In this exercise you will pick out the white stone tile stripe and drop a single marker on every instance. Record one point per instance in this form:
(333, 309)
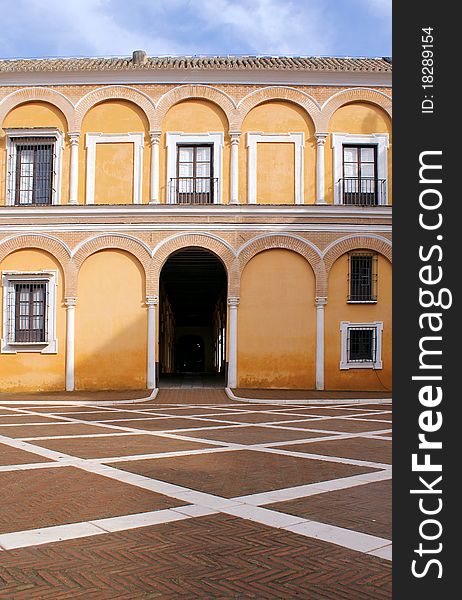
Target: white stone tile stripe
(201, 501)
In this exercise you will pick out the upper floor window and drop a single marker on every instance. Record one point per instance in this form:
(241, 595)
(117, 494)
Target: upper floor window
(360, 184)
(194, 167)
(360, 168)
(194, 182)
(362, 277)
(34, 166)
(29, 311)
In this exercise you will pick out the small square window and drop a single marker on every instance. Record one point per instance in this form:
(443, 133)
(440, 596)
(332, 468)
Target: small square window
(29, 312)
(361, 345)
(362, 277)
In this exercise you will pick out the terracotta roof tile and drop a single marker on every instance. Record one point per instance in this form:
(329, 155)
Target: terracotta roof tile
(298, 63)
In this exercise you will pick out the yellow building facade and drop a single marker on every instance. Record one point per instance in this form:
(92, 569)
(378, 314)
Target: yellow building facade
(162, 217)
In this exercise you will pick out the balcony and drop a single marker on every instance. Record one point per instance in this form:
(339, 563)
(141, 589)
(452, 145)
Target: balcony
(362, 191)
(192, 190)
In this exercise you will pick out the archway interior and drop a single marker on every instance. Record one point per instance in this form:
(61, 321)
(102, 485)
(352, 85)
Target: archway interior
(192, 327)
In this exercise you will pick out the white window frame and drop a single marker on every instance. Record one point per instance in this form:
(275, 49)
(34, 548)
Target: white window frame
(11, 152)
(255, 137)
(381, 140)
(344, 327)
(215, 138)
(9, 278)
(137, 139)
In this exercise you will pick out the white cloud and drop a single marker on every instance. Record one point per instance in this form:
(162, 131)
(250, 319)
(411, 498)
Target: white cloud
(270, 26)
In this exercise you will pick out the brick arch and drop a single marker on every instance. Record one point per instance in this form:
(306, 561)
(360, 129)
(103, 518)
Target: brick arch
(187, 240)
(288, 94)
(189, 92)
(360, 242)
(282, 242)
(57, 249)
(114, 92)
(353, 95)
(107, 242)
(38, 94)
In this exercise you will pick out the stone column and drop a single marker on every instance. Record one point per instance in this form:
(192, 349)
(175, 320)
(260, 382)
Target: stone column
(70, 303)
(320, 192)
(74, 167)
(234, 191)
(155, 139)
(151, 303)
(232, 342)
(320, 304)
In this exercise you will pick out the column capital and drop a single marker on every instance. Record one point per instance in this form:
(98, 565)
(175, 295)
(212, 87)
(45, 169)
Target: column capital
(321, 138)
(321, 301)
(233, 301)
(235, 136)
(74, 137)
(154, 136)
(152, 300)
(70, 301)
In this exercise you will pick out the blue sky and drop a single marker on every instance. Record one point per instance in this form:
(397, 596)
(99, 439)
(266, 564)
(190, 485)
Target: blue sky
(34, 28)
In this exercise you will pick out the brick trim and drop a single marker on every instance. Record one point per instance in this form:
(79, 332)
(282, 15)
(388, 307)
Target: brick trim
(339, 247)
(48, 244)
(37, 94)
(186, 240)
(190, 92)
(114, 92)
(107, 242)
(288, 94)
(353, 95)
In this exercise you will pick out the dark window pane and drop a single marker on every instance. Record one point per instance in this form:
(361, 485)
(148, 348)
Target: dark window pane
(30, 312)
(363, 278)
(361, 345)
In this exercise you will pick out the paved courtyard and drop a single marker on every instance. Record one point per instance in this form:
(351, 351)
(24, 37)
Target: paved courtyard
(192, 495)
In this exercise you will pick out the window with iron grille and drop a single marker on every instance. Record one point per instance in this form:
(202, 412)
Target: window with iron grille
(361, 345)
(362, 277)
(29, 312)
(34, 165)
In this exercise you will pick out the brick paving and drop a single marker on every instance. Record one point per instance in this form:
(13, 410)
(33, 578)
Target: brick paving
(220, 518)
(366, 508)
(208, 557)
(357, 448)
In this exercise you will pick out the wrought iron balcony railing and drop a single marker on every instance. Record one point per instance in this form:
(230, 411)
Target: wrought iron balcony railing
(192, 190)
(362, 191)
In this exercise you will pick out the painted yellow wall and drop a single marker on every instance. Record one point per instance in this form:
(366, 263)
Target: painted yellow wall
(276, 322)
(195, 116)
(115, 116)
(275, 182)
(360, 118)
(36, 114)
(32, 371)
(278, 117)
(338, 310)
(111, 323)
(114, 168)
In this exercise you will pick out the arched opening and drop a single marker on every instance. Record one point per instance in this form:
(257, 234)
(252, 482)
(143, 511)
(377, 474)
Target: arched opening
(192, 320)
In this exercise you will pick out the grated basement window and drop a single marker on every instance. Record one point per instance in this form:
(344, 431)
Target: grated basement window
(27, 312)
(362, 277)
(33, 170)
(362, 344)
